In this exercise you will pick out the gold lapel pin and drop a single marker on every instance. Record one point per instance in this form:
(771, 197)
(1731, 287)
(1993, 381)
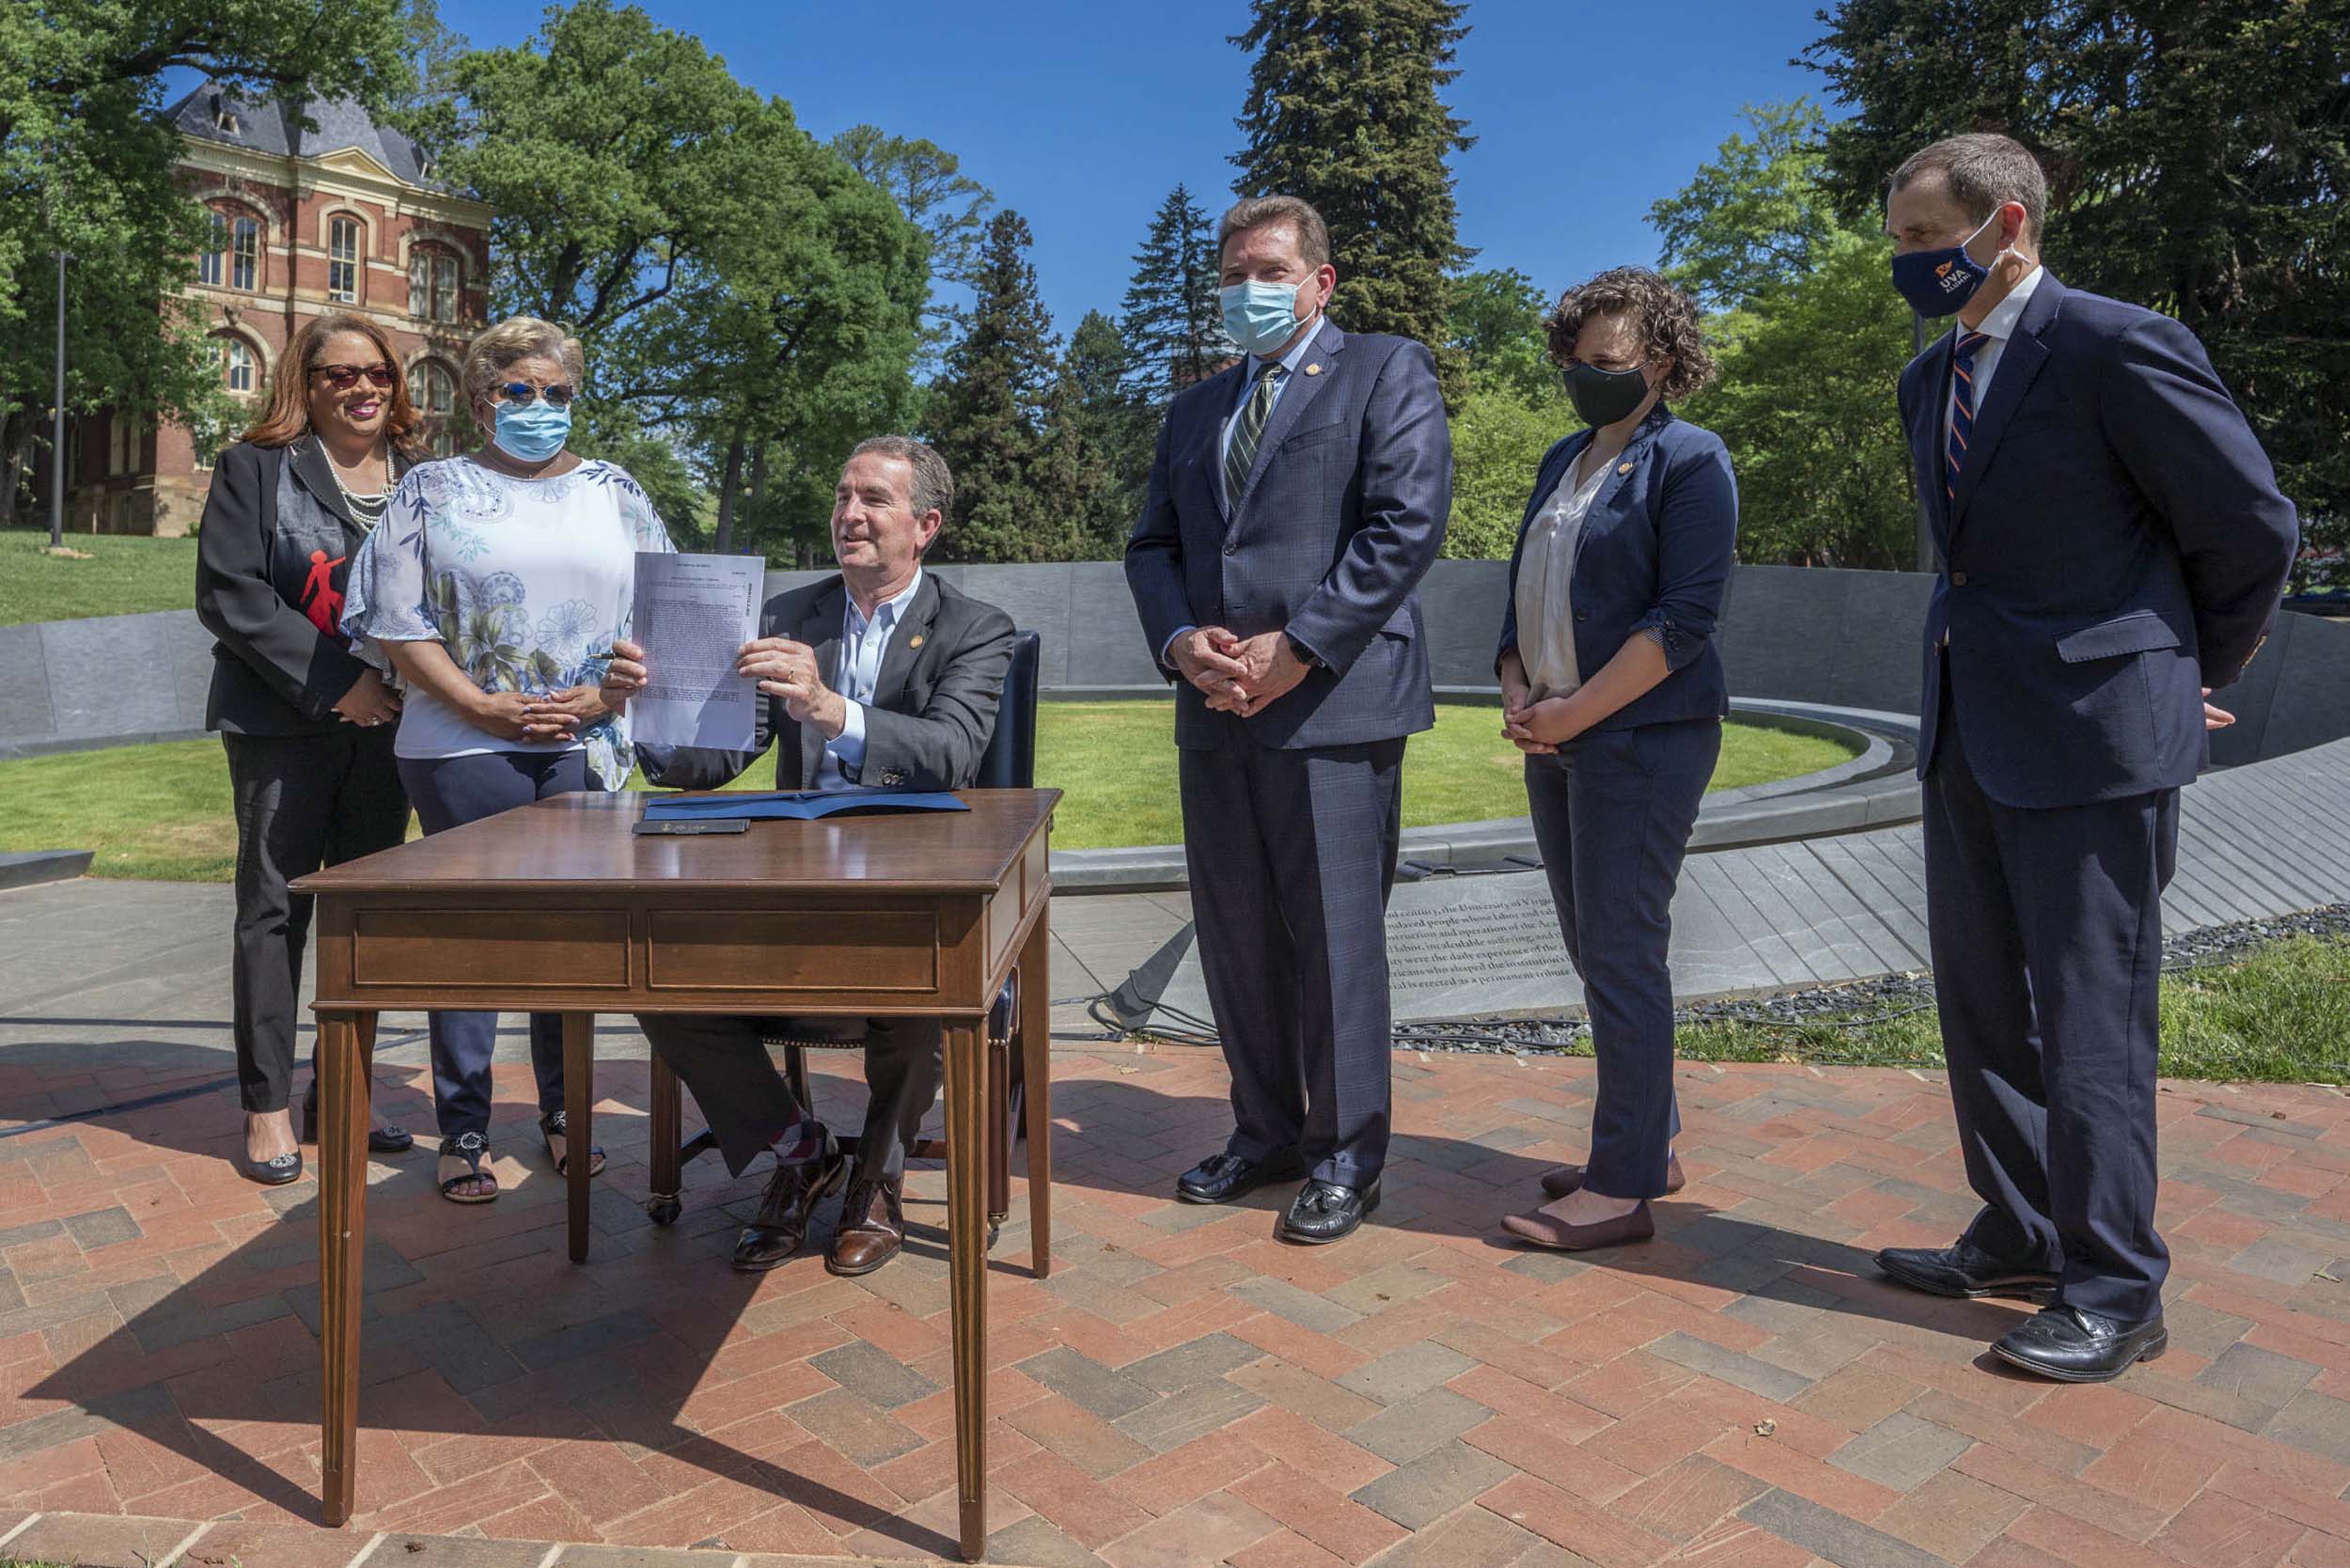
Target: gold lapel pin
(915, 641)
(1623, 468)
(1313, 369)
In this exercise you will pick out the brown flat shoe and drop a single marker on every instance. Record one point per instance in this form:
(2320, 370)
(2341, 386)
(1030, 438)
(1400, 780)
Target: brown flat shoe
(872, 1226)
(1543, 1231)
(1565, 1179)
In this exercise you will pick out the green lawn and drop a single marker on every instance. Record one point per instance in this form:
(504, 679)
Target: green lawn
(125, 575)
(162, 811)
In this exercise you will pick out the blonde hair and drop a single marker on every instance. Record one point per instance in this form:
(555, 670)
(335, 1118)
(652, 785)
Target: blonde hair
(518, 337)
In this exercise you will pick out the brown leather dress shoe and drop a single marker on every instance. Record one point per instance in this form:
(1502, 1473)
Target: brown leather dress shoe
(872, 1226)
(1563, 1180)
(1543, 1231)
(781, 1225)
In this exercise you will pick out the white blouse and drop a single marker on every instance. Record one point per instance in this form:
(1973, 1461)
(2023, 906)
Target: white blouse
(1545, 597)
(525, 582)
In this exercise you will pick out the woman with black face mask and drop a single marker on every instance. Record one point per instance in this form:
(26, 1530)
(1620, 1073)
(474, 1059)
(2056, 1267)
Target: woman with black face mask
(1612, 687)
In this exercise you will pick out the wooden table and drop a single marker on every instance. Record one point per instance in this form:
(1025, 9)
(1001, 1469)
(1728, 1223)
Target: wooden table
(558, 907)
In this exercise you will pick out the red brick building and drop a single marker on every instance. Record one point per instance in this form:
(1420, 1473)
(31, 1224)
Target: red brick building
(345, 217)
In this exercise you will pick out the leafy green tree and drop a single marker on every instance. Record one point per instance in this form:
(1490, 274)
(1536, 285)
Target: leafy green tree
(948, 206)
(87, 167)
(1810, 340)
(1099, 437)
(2198, 155)
(1498, 439)
(986, 415)
(1171, 323)
(1496, 328)
(1343, 110)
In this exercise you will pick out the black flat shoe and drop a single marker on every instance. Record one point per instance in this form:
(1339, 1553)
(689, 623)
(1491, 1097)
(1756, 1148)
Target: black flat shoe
(1963, 1269)
(1327, 1211)
(275, 1171)
(1225, 1177)
(2074, 1346)
(386, 1139)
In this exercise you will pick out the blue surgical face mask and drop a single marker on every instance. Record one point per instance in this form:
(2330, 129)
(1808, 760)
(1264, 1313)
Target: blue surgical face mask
(1940, 282)
(1260, 316)
(532, 431)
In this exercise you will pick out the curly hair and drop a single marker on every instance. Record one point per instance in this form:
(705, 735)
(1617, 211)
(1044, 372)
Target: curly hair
(1664, 318)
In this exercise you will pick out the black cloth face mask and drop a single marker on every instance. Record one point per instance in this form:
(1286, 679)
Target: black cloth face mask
(1604, 396)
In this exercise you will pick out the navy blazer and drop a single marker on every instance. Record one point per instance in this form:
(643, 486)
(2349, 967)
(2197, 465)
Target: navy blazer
(1654, 555)
(1343, 514)
(2115, 543)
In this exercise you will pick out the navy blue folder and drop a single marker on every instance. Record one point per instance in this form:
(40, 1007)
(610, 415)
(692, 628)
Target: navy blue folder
(796, 805)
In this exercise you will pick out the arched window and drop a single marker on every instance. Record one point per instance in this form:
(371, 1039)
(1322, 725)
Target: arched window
(342, 260)
(432, 285)
(236, 359)
(232, 252)
(436, 392)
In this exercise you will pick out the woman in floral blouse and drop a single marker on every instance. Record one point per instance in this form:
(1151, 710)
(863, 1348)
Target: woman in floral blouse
(494, 588)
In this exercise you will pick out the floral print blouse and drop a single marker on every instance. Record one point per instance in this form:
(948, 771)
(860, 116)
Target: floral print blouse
(525, 582)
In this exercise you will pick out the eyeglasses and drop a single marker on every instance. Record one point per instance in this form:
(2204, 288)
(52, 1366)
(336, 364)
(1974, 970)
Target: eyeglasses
(559, 394)
(343, 377)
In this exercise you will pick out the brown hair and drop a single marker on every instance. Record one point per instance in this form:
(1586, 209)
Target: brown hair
(1983, 171)
(1664, 319)
(1313, 235)
(286, 419)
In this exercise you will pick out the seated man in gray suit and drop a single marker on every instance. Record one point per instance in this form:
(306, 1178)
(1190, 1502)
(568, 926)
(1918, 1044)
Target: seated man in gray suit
(884, 675)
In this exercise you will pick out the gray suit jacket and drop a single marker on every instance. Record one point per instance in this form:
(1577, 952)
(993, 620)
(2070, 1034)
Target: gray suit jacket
(933, 709)
(1343, 514)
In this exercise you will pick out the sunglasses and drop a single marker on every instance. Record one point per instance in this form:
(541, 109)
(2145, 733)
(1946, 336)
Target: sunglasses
(557, 395)
(343, 377)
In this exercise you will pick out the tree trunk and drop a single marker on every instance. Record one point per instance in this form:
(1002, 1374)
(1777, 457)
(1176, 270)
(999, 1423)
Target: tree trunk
(15, 440)
(727, 488)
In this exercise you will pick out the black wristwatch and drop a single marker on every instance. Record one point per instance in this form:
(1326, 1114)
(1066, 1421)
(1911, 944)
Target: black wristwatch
(1305, 656)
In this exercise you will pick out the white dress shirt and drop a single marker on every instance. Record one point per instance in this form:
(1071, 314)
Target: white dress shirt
(1999, 327)
(1544, 599)
(862, 644)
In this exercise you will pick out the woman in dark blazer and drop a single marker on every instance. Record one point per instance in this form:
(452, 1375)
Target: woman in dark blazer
(307, 727)
(1612, 687)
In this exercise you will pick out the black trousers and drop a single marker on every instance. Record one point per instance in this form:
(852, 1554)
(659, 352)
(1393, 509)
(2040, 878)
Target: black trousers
(1292, 855)
(302, 802)
(1613, 811)
(2046, 929)
(748, 1104)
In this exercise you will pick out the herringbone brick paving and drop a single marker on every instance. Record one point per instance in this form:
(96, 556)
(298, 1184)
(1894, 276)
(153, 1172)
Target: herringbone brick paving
(1183, 1391)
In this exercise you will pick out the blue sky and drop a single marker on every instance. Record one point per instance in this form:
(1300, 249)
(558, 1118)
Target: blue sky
(1083, 114)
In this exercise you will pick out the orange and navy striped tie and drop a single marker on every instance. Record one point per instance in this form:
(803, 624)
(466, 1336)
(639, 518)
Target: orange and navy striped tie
(1962, 409)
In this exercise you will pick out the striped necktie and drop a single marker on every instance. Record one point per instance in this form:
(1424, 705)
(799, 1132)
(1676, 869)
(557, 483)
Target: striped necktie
(1962, 409)
(1249, 427)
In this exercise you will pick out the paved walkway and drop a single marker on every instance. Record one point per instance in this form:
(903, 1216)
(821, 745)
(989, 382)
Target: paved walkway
(1184, 1389)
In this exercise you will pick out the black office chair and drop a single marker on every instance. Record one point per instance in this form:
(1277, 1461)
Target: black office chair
(1009, 763)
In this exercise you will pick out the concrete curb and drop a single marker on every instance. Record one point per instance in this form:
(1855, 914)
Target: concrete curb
(33, 867)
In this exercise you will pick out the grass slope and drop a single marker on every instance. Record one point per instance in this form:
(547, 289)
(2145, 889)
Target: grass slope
(125, 575)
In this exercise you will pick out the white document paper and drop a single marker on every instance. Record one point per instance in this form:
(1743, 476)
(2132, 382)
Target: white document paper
(693, 615)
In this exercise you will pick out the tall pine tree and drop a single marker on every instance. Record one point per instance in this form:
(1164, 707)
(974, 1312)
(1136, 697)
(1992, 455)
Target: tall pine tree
(1343, 110)
(1100, 435)
(987, 412)
(1173, 331)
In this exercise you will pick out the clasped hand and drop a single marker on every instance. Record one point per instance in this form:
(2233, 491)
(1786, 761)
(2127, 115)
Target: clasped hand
(539, 716)
(783, 668)
(1537, 729)
(1238, 675)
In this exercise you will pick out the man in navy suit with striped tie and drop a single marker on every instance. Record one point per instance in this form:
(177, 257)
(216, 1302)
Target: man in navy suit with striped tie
(2112, 545)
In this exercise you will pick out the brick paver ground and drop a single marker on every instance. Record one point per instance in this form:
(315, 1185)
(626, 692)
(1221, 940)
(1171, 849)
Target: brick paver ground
(1185, 1390)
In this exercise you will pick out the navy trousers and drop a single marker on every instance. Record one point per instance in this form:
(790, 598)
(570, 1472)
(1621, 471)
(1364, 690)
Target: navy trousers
(2046, 929)
(1613, 811)
(1292, 855)
(450, 792)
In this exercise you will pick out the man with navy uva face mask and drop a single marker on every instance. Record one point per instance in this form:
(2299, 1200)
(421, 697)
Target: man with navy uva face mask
(1295, 501)
(2113, 544)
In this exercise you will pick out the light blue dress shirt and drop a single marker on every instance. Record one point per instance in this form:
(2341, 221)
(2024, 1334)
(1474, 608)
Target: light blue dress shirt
(862, 644)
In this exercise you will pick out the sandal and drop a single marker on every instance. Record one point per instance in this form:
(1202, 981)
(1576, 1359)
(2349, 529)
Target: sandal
(550, 1127)
(474, 1150)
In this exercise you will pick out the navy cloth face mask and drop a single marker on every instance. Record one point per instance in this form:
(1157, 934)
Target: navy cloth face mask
(1940, 282)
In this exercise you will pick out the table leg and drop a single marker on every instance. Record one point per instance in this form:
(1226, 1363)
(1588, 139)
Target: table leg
(343, 1042)
(1036, 1077)
(668, 1118)
(579, 1093)
(966, 1267)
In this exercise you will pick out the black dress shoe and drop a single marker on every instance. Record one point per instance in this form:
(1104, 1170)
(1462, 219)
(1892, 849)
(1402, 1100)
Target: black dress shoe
(781, 1224)
(1224, 1178)
(2074, 1346)
(1327, 1211)
(275, 1171)
(1963, 1269)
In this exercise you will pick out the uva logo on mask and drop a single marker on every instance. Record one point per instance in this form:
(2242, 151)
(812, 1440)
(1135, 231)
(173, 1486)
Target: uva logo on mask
(1940, 282)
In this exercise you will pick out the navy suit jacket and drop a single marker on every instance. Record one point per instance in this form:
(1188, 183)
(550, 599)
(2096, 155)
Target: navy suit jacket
(1343, 514)
(2115, 543)
(1654, 555)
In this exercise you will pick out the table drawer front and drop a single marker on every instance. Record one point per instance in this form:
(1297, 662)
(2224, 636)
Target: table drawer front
(560, 950)
(793, 950)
